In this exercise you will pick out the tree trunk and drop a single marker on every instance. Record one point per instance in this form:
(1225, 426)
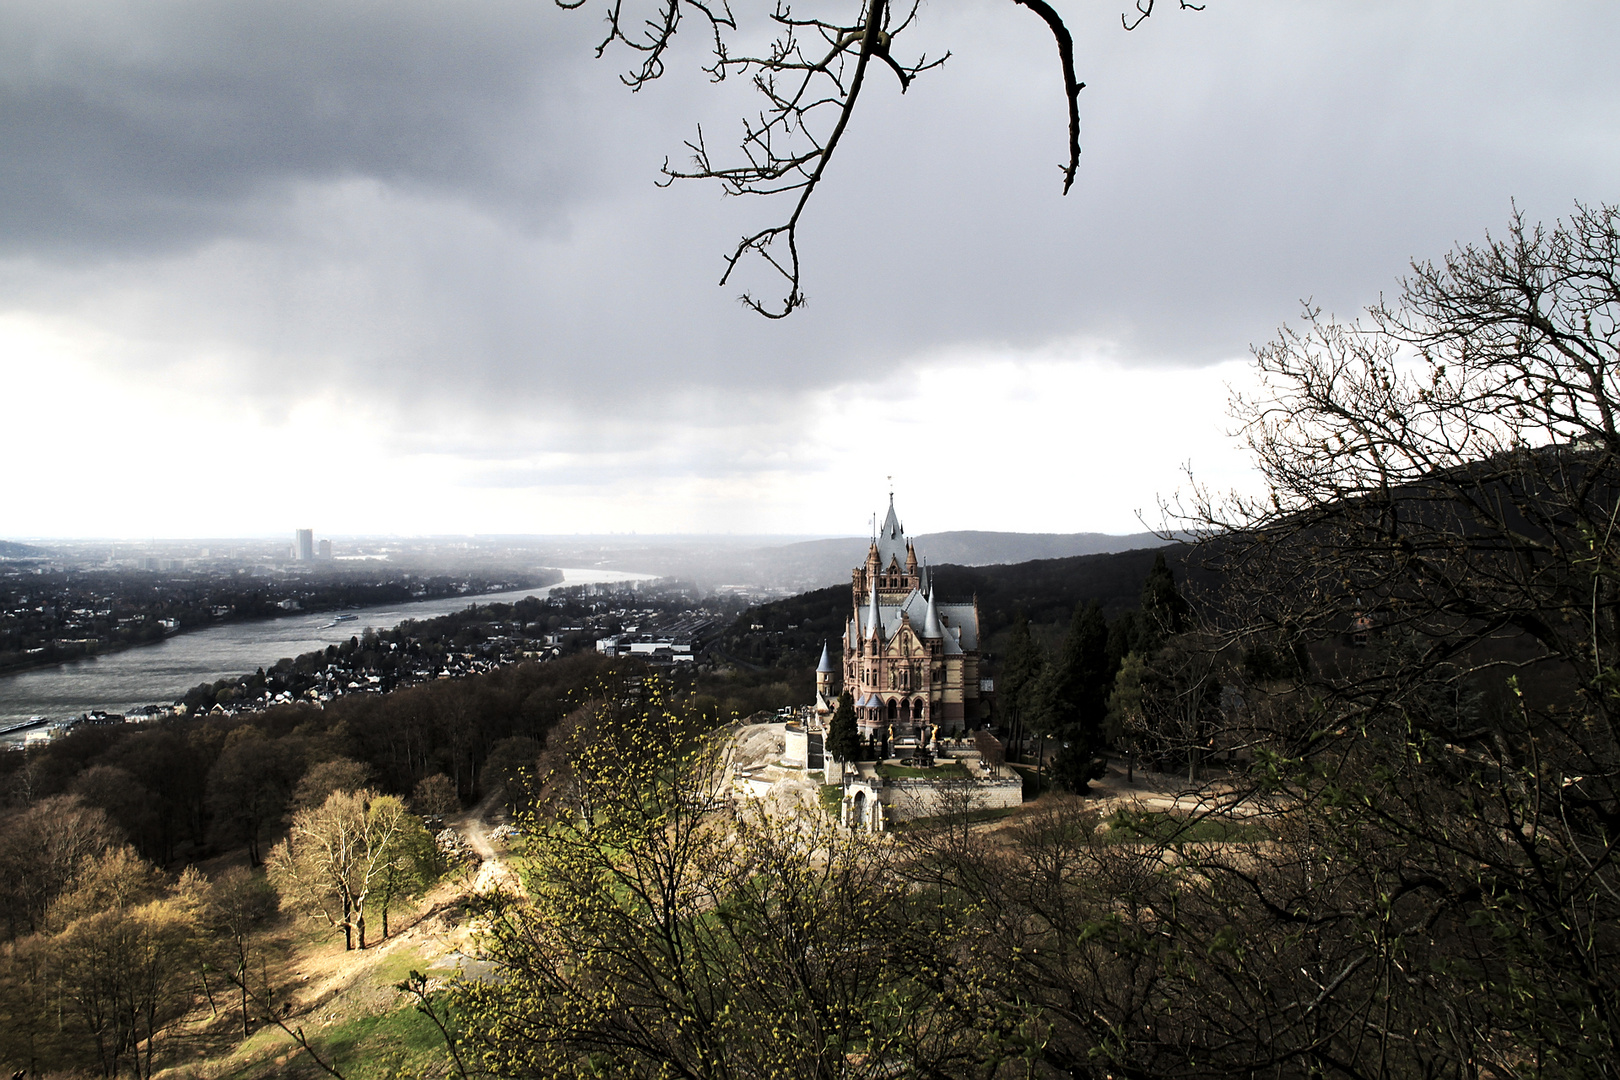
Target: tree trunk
(208, 992)
(241, 955)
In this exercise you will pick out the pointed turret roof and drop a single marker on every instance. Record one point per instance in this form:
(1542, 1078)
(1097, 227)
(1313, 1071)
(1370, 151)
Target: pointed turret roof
(874, 623)
(891, 540)
(931, 627)
(825, 667)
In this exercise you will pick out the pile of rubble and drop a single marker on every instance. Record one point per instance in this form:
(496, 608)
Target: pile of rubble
(454, 847)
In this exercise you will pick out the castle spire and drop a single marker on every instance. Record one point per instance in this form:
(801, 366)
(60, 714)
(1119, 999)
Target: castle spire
(931, 628)
(874, 623)
(891, 523)
(824, 681)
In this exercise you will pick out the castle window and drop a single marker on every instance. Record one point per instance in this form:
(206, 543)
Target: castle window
(894, 709)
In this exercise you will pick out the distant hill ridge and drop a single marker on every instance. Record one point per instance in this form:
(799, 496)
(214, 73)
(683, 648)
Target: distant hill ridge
(10, 549)
(1045, 591)
(974, 547)
(832, 560)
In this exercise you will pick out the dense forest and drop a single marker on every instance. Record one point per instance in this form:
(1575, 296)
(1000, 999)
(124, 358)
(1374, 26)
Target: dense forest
(185, 787)
(101, 830)
(1044, 591)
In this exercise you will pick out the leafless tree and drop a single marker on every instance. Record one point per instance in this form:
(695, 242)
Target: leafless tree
(232, 906)
(1439, 554)
(435, 797)
(809, 78)
(340, 854)
(1170, 700)
(41, 849)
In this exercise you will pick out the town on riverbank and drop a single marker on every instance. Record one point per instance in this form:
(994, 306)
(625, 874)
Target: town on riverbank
(662, 623)
(58, 611)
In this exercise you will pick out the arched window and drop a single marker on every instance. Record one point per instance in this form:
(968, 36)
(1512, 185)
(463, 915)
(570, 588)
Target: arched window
(919, 708)
(894, 709)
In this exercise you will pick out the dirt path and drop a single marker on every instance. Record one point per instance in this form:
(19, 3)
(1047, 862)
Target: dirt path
(492, 872)
(1172, 793)
(472, 827)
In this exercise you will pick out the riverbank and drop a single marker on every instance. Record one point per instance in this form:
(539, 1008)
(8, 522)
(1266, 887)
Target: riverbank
(113, 648)
(123, 681)
(73, 616)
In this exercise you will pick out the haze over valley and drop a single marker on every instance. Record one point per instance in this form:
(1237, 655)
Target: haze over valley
(867, 541)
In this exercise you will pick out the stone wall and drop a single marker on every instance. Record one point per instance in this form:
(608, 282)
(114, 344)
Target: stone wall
(873, 803)
(909, 799)
(797, 751)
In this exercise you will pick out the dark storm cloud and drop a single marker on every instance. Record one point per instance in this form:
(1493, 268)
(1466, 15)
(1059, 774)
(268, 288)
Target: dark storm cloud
(131, 126)
(449, 205)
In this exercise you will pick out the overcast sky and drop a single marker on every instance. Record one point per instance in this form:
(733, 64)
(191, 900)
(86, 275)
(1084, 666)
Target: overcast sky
(401, 265)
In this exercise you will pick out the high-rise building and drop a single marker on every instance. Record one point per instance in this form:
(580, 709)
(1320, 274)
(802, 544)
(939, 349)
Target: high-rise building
(304, 545)
(326, 549)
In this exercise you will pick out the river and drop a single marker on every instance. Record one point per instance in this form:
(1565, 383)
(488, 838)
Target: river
(154, 674)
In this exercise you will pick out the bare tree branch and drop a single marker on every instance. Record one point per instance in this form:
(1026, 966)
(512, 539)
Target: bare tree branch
(1144, 8)
(1071, 85)
(810, 76)
(266, 1005)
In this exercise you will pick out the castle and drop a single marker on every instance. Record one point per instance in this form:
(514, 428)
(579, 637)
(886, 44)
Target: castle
(911, 659)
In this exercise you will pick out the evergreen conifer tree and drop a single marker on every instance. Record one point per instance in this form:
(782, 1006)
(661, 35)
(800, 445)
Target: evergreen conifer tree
(1021, 668)
(1018, 680)
(1123, 636)
(1164, 609)
(1075, 698)
(843, 740)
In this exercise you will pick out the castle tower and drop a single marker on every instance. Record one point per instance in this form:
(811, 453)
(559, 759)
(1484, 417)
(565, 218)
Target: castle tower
(911, 656)
(824, 680)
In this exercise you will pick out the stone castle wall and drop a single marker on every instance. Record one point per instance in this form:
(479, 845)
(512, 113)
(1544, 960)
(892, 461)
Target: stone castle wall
(910, 799)
(873, 803)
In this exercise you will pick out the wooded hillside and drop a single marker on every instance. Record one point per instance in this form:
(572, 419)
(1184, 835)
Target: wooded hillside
(1045, 591)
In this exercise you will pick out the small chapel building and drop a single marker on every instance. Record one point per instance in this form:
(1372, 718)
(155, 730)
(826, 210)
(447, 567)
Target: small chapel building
(911, 658)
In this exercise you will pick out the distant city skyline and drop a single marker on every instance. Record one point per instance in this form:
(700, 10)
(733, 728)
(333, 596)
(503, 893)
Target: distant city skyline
(431, 287)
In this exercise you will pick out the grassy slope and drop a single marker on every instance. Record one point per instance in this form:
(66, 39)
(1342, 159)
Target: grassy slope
(345, 1003)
